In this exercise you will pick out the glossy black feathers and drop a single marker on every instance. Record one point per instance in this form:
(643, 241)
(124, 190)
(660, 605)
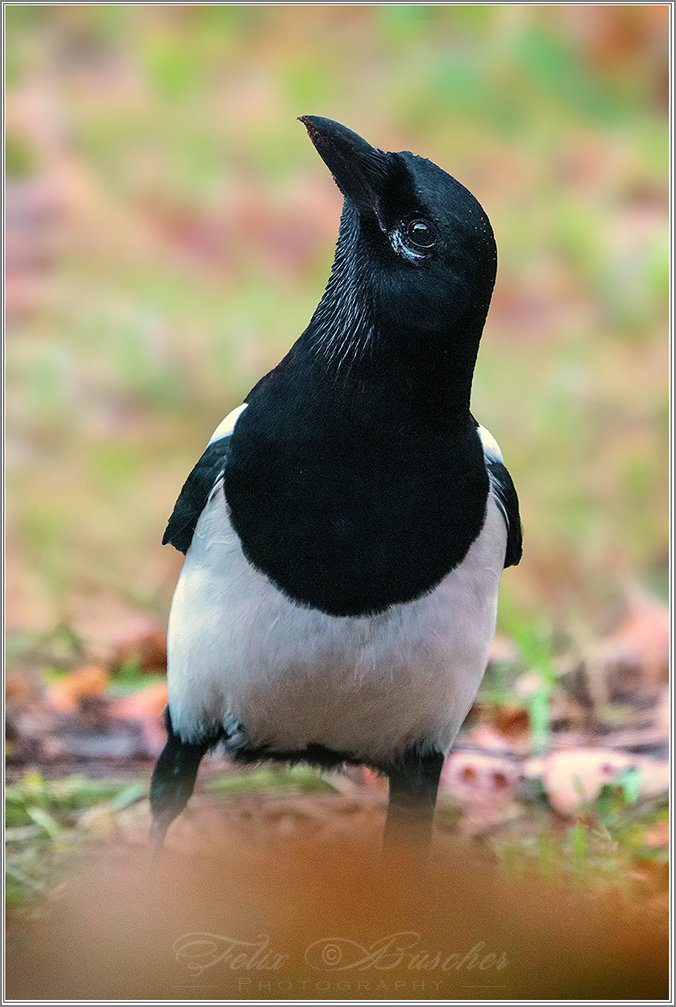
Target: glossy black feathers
(350, 509)
(194, 495)
(356, 478)
(505, 493)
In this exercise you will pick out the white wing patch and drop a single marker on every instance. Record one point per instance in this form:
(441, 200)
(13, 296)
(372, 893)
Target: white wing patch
(491, 446)
(225, 428)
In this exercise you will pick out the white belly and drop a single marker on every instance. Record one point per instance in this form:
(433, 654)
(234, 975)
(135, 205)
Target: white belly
(240, 651)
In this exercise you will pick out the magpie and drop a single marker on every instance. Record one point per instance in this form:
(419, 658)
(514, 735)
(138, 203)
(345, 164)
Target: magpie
(346, 528)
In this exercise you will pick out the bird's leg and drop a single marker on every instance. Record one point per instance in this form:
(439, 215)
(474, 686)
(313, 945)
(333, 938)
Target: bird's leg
(414, 781)
(173, 781)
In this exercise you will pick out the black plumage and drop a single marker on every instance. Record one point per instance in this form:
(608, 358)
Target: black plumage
(356, 479)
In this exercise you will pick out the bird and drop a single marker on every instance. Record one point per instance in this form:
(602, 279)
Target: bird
(346, 528)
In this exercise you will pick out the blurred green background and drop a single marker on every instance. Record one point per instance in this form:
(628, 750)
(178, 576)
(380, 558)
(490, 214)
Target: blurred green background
(170, 230)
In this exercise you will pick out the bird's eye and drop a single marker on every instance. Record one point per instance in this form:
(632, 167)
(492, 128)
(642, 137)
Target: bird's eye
(420, 234)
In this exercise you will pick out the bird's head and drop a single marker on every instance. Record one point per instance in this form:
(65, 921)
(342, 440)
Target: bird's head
(415, 245)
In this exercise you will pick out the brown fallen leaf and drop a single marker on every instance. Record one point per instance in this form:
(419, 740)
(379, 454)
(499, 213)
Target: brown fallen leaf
(67, 694)
(148, 650)
(513, 723)
(110, 627)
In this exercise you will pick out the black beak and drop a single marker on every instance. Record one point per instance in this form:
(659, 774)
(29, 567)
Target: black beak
(359, 170)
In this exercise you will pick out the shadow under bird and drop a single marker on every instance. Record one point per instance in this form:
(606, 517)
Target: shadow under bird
(346, 529)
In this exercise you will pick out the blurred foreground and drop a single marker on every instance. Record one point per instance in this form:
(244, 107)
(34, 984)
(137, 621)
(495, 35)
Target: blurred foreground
(323, 917)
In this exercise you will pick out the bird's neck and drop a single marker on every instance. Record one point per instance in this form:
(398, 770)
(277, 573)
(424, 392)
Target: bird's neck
(341, 331)
(358, 348)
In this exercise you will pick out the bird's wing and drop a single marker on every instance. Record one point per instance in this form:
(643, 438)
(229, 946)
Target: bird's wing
(505, 494)
(199, 484)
